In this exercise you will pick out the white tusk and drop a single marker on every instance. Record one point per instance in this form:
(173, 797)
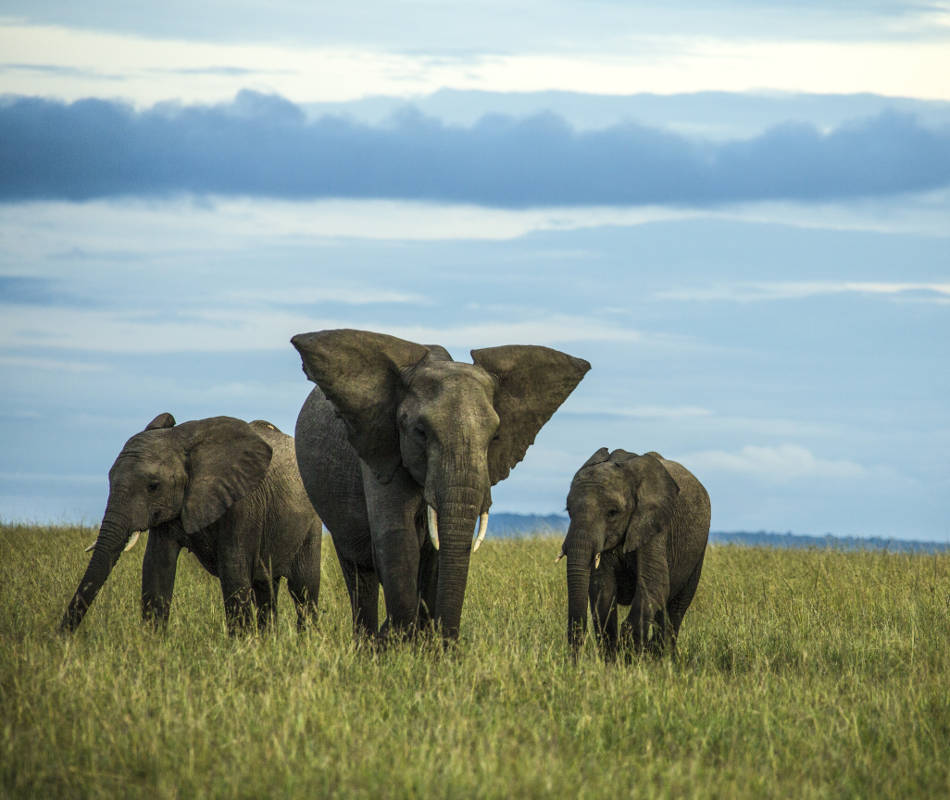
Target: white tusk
(597, 561)
(559, 557)
(433, 526)
(482, 530)
(128, 545)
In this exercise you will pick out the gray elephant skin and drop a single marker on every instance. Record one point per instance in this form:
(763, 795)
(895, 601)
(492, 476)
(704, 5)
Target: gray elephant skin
(227, 490)
(637, 536)
(397, 440)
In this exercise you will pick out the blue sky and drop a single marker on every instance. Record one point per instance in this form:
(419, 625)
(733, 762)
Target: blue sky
(740, 216)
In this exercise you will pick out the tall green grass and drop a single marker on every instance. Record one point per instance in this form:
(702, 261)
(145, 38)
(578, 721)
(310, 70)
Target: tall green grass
(800, 674)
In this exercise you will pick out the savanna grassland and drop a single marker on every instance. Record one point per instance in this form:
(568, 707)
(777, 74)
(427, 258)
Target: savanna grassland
(800, 674)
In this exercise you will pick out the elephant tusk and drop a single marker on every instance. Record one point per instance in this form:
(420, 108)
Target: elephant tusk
(597, 561)
(433, 526)
(482, 530)
(559, 557)
(128, 545)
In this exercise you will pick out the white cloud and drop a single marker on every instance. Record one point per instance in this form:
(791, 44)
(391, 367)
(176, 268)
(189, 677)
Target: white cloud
(135, 232)
(138, 67)
(25, 362)
(795, 290)
(240, 329)
(779, 463)
(114, 231)
(346, 296)
(49, 477)
(650, 412)
(923, 213)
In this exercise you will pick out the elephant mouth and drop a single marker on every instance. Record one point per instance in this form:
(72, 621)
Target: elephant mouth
(596, 558)
(432, 519)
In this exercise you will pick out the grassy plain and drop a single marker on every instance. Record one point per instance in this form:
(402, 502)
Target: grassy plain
(800, 674)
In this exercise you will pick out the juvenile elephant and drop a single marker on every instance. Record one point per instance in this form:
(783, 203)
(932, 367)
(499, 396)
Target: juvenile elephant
(397, 439)
(638, 532)
(225, 489)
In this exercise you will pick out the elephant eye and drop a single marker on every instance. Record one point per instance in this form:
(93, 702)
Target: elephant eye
(419, 432)
(153, 486)
(612, 512)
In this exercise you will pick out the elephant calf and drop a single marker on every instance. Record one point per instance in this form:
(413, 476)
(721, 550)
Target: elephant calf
(638, 532)
(225, 489)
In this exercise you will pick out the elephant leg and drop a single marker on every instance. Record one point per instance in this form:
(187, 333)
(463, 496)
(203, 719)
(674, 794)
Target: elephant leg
(158, 578)
(649, 598)
(238, 606)
(235, 572)
(662, 639)
(680, 602)
(639, 626)
(397, 559)
(392, 510)
(304, 579)
(603, 606)
(428, 585)
(265, 598)
(362, 585)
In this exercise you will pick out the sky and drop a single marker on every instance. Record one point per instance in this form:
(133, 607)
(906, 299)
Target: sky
(739, 214)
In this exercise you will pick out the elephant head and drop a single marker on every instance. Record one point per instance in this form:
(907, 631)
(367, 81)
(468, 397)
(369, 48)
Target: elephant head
(455, 428)
(616, 500)
(189, 473)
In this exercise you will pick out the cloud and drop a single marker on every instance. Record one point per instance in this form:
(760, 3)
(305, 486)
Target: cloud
(26, 290)
(49, 364)
(780, 463)
(264, 145)
(671, 413)
(47, 477)
(59, 71)
(305, 295)
(240, 329)
(797, 290)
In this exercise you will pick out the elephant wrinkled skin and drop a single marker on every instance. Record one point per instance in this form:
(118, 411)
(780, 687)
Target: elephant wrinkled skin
(225, 489)
(637, 536)
(398, 446)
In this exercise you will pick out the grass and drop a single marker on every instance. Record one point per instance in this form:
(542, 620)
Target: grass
(800, 674)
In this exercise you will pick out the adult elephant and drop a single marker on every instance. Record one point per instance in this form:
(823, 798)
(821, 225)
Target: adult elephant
(397, 439)
(225, 489)
(637, 536)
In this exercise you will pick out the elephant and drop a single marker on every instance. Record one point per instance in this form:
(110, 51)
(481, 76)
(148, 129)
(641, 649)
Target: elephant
(637, 536)
(227, 490)
(398, 447)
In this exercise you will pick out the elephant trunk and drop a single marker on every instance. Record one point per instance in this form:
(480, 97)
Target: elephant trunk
(113, 534)
(458, 511)
(580, 557)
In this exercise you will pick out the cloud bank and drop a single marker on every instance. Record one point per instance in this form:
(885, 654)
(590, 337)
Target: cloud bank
(798, 290)
(264, 145)
(781, 463)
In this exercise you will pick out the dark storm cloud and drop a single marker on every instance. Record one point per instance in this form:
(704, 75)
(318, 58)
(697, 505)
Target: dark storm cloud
(265, 145)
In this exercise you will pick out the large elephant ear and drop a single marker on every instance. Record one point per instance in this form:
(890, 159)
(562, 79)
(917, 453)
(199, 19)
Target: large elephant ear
(598, 458)
(226, 461)
(438, 353)
(531, 383)
(163, 420)
(656, 493)
(361, 373)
